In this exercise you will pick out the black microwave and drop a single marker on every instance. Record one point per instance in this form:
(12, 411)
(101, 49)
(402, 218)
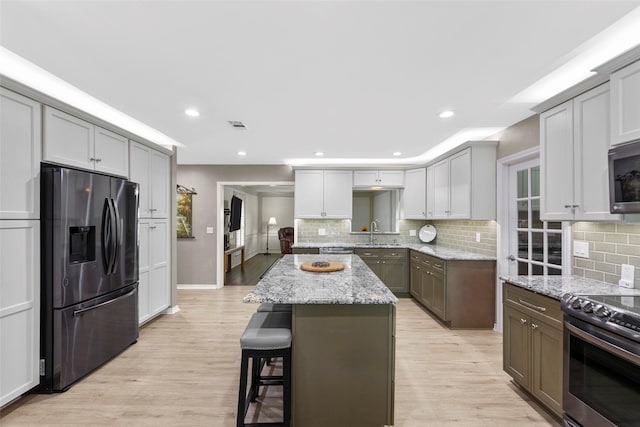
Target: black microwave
(624, 178)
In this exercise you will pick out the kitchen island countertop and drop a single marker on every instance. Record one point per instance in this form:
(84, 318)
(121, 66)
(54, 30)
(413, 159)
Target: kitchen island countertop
(556, 286)
(286, 283)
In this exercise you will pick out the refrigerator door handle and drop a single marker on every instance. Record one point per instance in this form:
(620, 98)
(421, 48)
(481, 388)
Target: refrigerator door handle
(105, 239)
(117, 238)
(102, 304)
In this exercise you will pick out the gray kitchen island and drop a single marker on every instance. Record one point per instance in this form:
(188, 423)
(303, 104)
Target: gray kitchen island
(343, 350)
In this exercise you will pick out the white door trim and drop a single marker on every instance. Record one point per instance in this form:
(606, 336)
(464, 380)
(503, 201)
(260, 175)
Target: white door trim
(220, 221)
(502, 219)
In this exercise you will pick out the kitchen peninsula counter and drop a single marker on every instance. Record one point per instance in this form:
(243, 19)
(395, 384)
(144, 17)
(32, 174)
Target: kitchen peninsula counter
(343, 346)
(556, 286)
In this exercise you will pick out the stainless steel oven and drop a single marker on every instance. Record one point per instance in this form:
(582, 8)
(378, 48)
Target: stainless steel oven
(601, 384)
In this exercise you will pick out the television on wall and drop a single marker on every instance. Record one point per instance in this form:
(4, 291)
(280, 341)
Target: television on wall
(236, 214)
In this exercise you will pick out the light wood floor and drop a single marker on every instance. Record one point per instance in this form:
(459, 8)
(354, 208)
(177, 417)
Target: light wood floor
(184, 371)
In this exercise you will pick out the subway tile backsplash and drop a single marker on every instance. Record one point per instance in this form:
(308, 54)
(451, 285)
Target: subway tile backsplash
(457, 234)
(610, 246)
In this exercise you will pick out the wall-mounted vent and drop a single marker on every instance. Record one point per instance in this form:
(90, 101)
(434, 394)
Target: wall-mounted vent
(237, 124)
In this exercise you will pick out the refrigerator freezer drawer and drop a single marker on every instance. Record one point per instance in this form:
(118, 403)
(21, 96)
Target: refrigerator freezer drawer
(89, 334)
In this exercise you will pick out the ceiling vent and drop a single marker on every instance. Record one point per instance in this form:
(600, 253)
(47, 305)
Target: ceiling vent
(237, 124)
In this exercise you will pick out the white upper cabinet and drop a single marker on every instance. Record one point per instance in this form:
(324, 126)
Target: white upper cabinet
(20, 148)
(574, 141)
(414, 201)
(625, 104)
(71, 141)
(323, 194)
(111, 152)
(378, 178)
(150, 169)
(462, 186)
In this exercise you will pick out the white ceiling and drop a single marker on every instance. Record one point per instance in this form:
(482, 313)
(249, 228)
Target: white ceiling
(354, 79)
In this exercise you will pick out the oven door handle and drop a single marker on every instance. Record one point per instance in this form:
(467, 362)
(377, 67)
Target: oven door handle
(620, 352)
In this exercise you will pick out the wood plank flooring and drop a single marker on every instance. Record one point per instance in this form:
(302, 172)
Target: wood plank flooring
(254, 268)
(184, 370)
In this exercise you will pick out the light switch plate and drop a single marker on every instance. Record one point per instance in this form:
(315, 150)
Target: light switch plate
(412, 232)
(209, 230)
(478, 237)
(322, 232)
(581, 249)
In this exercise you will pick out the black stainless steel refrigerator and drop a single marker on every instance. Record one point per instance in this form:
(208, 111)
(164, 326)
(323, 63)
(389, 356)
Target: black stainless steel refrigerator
(89, 272)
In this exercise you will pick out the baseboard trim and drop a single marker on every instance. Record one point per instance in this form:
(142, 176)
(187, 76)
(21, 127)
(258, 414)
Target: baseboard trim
(199, 286)
(172, 310)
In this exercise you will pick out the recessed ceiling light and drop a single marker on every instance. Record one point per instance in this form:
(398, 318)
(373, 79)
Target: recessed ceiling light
(191, 112)
(446, 114)
(242, 153)
(319, 153)
(397, 153)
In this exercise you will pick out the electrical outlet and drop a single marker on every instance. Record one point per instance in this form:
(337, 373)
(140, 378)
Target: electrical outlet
(477, 237)
(209, 230)
(322, 232)
(412, 232)
(580, 249)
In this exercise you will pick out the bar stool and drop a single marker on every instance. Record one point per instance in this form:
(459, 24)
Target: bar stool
(267, 335)
(270, 306)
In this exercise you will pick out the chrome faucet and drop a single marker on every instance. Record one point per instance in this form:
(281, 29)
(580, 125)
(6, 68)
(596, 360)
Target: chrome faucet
(372, 227)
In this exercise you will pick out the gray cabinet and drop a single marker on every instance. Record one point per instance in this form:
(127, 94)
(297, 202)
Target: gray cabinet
(532, 344)
(390, 265)
(461, 293)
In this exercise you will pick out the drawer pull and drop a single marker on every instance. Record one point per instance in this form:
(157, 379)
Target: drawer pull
(437, 265)
(535, 307)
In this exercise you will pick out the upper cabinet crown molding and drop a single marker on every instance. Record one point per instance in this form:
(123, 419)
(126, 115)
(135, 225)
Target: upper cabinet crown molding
(20, 148)
(620, 61)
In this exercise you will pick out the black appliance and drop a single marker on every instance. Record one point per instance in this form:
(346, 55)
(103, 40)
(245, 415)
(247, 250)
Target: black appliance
(601, 384)
(624, 178)
(89, 265)
(236, 214)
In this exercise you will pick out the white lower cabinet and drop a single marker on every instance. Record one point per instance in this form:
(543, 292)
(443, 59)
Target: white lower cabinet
(153, 288)
(19, 307)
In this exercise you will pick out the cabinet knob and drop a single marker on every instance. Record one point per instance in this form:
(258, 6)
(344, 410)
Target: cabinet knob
(534, 326)
(92, 159)
(523, 321)
(98, 160)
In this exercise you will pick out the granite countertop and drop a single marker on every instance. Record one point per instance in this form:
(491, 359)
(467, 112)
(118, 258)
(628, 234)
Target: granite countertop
(556, 286)
(442, 252)
(286, 283)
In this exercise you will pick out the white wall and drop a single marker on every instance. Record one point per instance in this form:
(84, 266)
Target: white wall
(280, 207)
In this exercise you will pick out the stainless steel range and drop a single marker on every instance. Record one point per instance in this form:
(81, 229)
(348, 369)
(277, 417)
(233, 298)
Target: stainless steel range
(601, 384)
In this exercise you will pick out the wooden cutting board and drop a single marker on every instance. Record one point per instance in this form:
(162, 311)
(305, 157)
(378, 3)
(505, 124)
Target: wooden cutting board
(333, 266)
